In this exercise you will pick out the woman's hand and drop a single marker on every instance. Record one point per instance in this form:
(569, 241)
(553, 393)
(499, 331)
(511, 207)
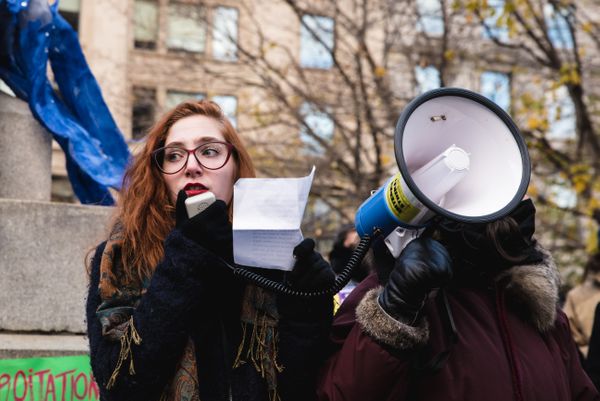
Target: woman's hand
(311, 273)
(421, 267)
(210, 229)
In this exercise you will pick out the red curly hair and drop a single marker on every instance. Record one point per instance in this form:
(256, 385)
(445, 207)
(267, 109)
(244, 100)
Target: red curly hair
(145, 210)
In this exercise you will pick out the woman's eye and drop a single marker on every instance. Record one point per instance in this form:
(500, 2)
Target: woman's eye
(210, 152)
(173, 156)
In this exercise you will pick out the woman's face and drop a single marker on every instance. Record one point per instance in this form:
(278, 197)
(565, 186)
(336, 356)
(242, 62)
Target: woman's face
(189, 133)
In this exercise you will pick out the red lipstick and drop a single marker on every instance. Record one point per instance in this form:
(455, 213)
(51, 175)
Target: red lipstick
(194, 188)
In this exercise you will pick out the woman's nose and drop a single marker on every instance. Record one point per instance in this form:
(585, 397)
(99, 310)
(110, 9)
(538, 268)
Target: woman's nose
(192, 166)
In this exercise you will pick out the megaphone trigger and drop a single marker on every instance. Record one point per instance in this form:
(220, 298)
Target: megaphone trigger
(397, 240)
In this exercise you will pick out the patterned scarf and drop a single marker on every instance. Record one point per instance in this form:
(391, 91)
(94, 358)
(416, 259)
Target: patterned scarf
(120, 296)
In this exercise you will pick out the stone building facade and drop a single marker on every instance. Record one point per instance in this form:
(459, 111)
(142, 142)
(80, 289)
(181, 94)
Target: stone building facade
(150, 54)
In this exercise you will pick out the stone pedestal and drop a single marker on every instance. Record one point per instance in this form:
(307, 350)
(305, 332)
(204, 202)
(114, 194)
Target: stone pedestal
(42, 263)
(25, 153)
(43, 245)
(41, 345)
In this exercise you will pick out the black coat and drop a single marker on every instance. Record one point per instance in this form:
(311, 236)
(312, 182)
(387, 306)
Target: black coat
(179, 305)
(592, 363)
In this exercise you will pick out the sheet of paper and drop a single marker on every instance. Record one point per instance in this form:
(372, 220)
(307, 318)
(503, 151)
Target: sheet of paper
(271, 249)
(267, 214)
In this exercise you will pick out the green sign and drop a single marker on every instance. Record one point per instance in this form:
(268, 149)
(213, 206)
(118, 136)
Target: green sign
(65, 378)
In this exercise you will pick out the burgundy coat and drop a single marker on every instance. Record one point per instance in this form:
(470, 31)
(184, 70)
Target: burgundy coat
(513, 344)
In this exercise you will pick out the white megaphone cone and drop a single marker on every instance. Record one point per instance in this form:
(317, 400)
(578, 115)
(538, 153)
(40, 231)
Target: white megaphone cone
(459, 155)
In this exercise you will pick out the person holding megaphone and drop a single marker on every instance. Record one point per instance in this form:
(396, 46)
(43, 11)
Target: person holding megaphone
(167, 318)
(491, 332)
(464, 303)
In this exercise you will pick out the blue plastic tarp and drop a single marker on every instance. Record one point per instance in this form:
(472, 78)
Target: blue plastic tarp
(33, 35)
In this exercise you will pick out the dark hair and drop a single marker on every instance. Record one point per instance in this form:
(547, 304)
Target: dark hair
(340, 237)
(339, 256)
(492, 246)
(596, 215)
(507, 239)
(592, 265)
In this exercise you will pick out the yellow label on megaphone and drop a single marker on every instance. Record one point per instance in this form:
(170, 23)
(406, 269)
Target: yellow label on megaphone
(402, 203)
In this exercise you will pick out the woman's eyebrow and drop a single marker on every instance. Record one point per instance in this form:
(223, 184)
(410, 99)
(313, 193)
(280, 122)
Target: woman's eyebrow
(197, 141)
(175, 143)
(207, 139)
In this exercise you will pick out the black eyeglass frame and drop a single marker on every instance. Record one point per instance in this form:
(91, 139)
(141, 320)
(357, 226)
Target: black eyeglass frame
(157, 162)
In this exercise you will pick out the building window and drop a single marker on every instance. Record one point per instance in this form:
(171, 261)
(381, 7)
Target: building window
(145, 31)
(558, 27)
(561, 115)
(428, 78)
(176, 97)
(493, 23)
(431, 19)
(225, 33)
(316, 42)
(496, 87)
(69, 9)
(229, 106)
(144, 108)
(316, 123)
(186, 27)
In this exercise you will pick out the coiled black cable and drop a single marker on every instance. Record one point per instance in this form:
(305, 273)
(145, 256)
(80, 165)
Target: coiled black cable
(340, 281)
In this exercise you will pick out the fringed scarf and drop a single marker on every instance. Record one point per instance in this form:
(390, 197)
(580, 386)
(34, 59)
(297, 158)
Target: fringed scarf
(120, 296)
(259, 336)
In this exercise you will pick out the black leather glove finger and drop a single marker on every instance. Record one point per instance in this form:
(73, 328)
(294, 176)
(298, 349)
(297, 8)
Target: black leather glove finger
(311, 271)
(210, 229)
(422, 266)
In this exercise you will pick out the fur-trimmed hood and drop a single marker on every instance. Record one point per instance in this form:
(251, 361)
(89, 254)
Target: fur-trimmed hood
(535, 288)
(531, 291)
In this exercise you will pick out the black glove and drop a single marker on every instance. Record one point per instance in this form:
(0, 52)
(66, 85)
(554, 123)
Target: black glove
(210, 229)
(311, 272)
(421, 267)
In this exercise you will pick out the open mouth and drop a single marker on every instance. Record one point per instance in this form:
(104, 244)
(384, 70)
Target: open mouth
(194, 189)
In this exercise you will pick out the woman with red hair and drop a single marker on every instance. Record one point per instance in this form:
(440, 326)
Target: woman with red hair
(166, 317)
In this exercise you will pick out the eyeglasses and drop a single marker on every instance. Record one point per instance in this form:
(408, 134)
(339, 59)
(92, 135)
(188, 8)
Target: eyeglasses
(210, 155)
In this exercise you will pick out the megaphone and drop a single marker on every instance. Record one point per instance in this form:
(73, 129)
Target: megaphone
(459, 156)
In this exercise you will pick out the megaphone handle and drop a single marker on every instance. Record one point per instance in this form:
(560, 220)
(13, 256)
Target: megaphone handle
(397, 240)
